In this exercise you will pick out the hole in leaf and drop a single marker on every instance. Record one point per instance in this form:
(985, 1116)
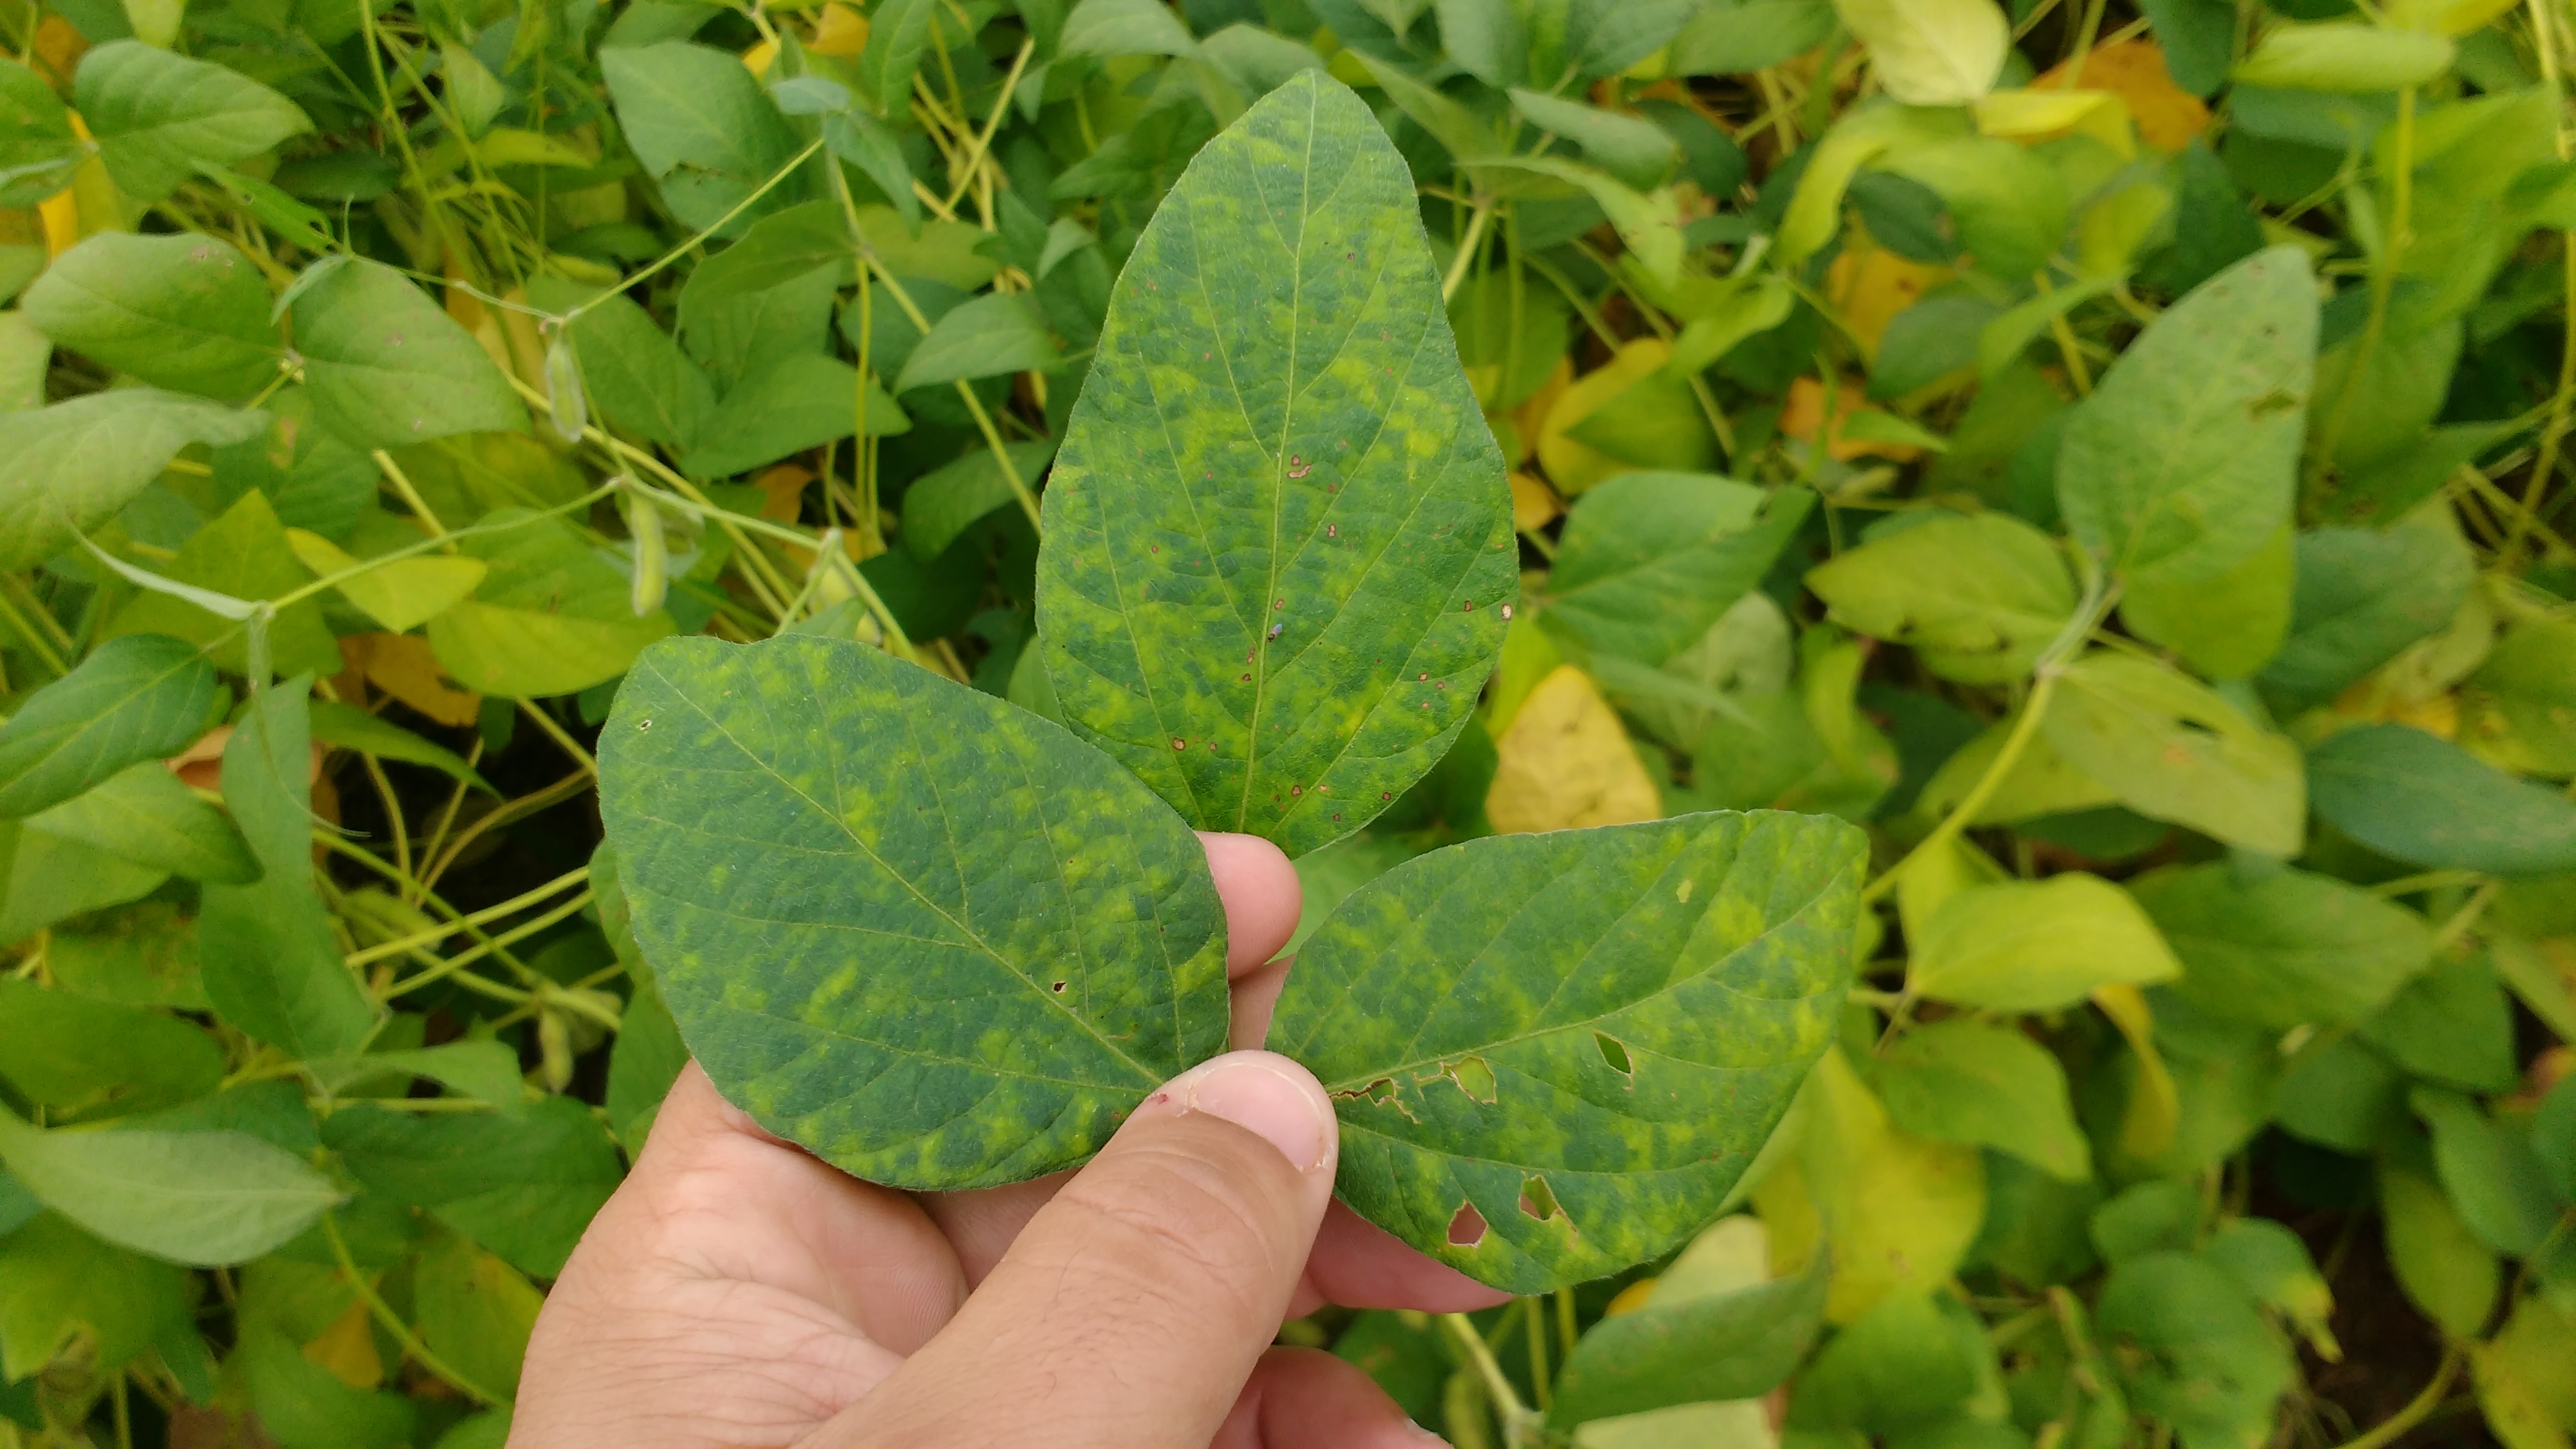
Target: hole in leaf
(1473, 1077)
(1615, 1053)
(1467, 1228)
(1538, 1200)
(1057, 988)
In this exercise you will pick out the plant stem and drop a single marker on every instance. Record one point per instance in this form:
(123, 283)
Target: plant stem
(2417, 1409)
(436, 934)
(699, 240)
(1517, 1417)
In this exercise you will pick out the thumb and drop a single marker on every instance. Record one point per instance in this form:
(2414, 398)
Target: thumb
(1134, 1306)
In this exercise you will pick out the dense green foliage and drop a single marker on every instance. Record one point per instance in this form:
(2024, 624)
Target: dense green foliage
(2112, 453)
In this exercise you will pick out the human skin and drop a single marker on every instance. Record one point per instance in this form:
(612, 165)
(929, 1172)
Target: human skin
(738, 1292)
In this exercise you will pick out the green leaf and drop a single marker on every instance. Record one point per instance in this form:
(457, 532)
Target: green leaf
(1749, 35)
(994, 334)
(185, 312)
(2169, 748)
(898, 32)
(1930, 52)
(1553, 1055)
(864, 142)
(2037, 945)
(487, 1071)
(2553, 1138)
(2452, 1024)
(26, 357)
(386, 367)
(780, 248)
(68, 468)
(2225, 626)
(1125, 27)
(1631, 148)
(2193, 1350)
(156, 115)
(316, 480)
(552, 617)
(72, 1054)
(1735, 1338)
(271, 965)
(302, 1405)
(206, 1199)
(646, 1061)
(923, 986)
(1486, 38)
(51, 879)
(1912, 1358)
(2442, 1267)
(1330, 483)
(58, 1283)
(2488, 1169)
(352, 728)
(2270, 1262)
(1987, 1085)
(1978, 597)
(2421, 799)
(142, 697)
(242, 554)
(2528, 686)
(2362, 597)
(2282, 948)
(704, 129)
(474, 1312)
(2185, 458)
(2008, 205)
(2348, 56)
(1651, 561)
(400, 594)
(944, 504)
(788, 405)
(38, 148)
(637, 377)
(144, 955)
(2524, 1382)
(522, 1186)
(144, 815)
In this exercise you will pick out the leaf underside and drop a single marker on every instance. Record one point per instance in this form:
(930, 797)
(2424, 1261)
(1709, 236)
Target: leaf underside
(1553, 1055)
(930, 936)
(1278, 545)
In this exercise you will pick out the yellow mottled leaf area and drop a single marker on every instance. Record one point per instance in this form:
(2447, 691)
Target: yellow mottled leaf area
(348, 1349)
(1534, 504)
(1896, 1212)
(1572, 464)
(1869, 285)
(1804, 413)
(403, 666)
(840, 31)
(2168, 116)
(1564, 763)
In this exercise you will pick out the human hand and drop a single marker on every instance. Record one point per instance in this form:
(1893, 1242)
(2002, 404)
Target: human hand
(736, 1291)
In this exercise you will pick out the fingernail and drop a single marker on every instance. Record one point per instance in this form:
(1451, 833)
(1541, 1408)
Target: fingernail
(1266, 1096)
(1424, 1436)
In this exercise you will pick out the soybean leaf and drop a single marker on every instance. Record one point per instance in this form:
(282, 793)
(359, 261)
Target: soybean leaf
(316, 480)
(523, 1186)
(2226, 625)
(59, 1284)
(1977, 597)
(637, 377)
(974, 945)
(352, 728)
(786, 405)
(1487, 38)
(69, 1053)
(67, 468)
(864, 142)
(2194, 1350)
(399, 594)
(2442, 1267)
(703, 128)
(487, 1071)
(1125, 27)
(1986, 1085)
(157, 114)
(241, 554)
(2036, 945)
(1629, 147)
(144, 815)
(185, 312)
(2171, 749)
(2345, 56)
(945, 503)
(2528, 687)
(2185, 458)
(780, 248)
(271, 965)
(2361, 597)
(2421, 799)
(1912, 1358)
(475, 1312)
(2282, 948)
(1930, 52)
(2270, 1262)
(302, 1404)
(1277, 533)
(1749, 35)
(1650, 561)
(50, 879)
(2452, 1024)
(2488, 1168)
(1608, 36)
(997, 333)
(1553, 1055)
(38, 149)
(387, 368)
(141, 697)
(206, 1199)
(551, 617)
(1733, 1339)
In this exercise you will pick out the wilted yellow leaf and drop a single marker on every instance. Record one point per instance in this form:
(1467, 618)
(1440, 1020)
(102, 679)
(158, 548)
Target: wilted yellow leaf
(782, 491)
(1573, 465)
(348, 1349)
(2168, 116)
(58, 50)
(1804, 413)
(757, 58)
(1897, 1212)
(1534, 504)
(1564, 763)
(1869, 285)
(2155, 1106)
(403, 666)
(840, 31)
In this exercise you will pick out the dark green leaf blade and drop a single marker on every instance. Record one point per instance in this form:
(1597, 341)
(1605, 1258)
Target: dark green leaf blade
(970, 944)
(1553, 1055)
(387, 368)
(1278, 611)
(68, 468)
(156, 114)
(185, 312)
(2421, 799)
(140, 697)
(202, 1198)
(698, 121)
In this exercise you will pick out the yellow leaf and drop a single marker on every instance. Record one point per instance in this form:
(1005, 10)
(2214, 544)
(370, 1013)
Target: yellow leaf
(2168, 116)
(400, 595)
(58, 50)
(403, 666)
(1534, 504)
(840, 31)
(1631, 1298)
(348, 1349)
(60, 213)
(1897, 1212)
(782, 491)
(2039, 114)
(757, 58)
(2155, 1104)
(1572, 465)
(1869, 285)
(1565, 763)
(1804, 413)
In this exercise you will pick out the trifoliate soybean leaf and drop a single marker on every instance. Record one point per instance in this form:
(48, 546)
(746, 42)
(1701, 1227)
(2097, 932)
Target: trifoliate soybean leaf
(2007, 206)
(2037, 945)
(241, 554)
(138, 698)
(474, 1312)
(59, 1284)
(1487, 38)
(778, 249)
(786, 405)
(1553, 1055)
(702, 127)
(1629, 147)
(38, 148)
(206, 1199)
(943, 504)
(942, 977)
(145, 955)
(157, 114)
(1684, 1348)
(2171, 749)
(2488, 1168)
(1279, 542)
(2185, 457)
(387, 368)
(997, 333)
(2346, 56)
(551, 617)
(301, 1404)
(1977, 597)
(72, 1054)
(1930, 52)
(637, 376)
(350, 728)
(185, 312)
(400, 594)
(522, 1186)
(68, 468)
(1651, 560)
(271, 965)
(142, 814)
(2421, 799)
(1986, 1085)
(2282, 948)
(2193, 1349)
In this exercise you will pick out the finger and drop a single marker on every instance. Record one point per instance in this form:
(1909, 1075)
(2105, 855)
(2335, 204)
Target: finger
(1135, 1305)
(1261, 895)
(1303, 1398)
(1358, 1264)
